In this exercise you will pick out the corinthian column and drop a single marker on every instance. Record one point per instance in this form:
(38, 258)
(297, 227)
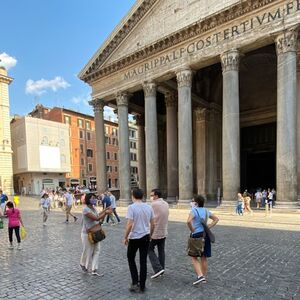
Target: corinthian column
(98, 106)
(152, 172)
(140, 122)
(124, 163)
(231, 127)
(298, 124)
(201, 144)
(172, 146)
(185, 141)
(286, 168)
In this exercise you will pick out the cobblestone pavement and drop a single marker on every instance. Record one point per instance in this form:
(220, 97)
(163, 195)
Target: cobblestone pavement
(247, 263)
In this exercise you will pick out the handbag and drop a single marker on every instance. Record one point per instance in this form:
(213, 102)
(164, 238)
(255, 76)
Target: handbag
(207, 230)
(23, 232)
(96, 234)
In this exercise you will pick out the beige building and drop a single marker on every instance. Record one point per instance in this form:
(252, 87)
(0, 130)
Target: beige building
(6, 171)
(41, 154)
(215, 88)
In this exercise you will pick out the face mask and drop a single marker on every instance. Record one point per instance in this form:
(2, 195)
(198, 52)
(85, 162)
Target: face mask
(93, 201)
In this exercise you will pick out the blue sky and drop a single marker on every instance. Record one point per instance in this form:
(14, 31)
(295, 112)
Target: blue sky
(47, 42)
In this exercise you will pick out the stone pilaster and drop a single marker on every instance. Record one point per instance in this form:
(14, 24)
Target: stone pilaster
(231, 127)
(152, 172)
(172, 147)
(124, 154)
(140, 122)
(286, 168)
(185, 141)
(98, 106)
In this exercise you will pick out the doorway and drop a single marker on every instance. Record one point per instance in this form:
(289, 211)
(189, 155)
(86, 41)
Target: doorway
(258, 157)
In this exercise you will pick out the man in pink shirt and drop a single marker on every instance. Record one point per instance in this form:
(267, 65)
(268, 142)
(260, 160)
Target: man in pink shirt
(158, 238)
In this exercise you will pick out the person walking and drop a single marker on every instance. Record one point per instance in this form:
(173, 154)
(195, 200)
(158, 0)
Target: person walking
(114, 206)
(45, 203)
(139, 228)
(194, 223)
(14, 222)
(239, 204)
(106, 202)
(91, 217)
(69, 203)
(158, 238)
(3, 199)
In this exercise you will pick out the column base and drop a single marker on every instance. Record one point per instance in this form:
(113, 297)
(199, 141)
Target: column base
(124, 202)
(171, 200)
(184, 203)
(292, 205)
(227, 203)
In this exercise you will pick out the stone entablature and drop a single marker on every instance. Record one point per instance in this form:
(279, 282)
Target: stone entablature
(199, 46)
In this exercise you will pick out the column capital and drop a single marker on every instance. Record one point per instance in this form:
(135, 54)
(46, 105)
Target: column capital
(230, 60)
(122, 98)
(170, 99)
(140, 120)
(201, 114)
(149, 88)
(184, 77)
(98, 105)
(286, 41)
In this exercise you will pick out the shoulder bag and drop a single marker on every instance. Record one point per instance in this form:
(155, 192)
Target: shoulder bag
(96, 234)
(207, 230)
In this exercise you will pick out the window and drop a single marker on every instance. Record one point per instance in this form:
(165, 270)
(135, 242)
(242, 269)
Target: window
(88, 125)
(116, 156)
(108, 168)
(88, 136)
(133, 170)
(82, 161)
(116, 169)
(133, 145)
(114, 131)
(106, 140)
(116, 182)
(107, 155)
(90, 167)
(106, 130)
(89, 153)
(82, 173)
(132, 133)
(67, 119)
(81, 134)
(109, 182)
(80, 123)
(81, 148)
(133, 156)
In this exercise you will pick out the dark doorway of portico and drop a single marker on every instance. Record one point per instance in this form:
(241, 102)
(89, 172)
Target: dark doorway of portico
(258, 157)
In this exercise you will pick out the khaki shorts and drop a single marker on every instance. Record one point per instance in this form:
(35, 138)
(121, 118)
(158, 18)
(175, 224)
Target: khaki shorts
(68, 208)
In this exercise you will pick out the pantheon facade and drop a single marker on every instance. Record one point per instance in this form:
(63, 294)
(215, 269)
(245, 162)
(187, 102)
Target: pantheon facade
(215, 89)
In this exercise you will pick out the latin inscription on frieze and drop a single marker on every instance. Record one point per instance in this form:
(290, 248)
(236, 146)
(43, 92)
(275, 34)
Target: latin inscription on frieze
(217, 38)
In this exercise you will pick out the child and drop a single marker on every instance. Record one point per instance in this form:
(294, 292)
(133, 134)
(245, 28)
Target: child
(45, 204)
(14, 221)
(239, 204)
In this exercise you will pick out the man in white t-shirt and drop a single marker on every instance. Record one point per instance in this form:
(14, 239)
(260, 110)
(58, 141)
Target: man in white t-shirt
(139, 228)
(69, 203)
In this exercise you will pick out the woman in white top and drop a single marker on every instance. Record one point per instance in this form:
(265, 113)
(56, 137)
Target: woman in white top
(45, 204)
(90, 218)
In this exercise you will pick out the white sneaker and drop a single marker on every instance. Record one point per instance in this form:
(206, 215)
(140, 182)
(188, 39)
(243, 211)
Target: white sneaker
(11, 247)
(158, 274)
(19, 247)
(95, 273)
(44, 224)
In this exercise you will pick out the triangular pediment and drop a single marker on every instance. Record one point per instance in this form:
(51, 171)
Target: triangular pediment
(149, 21)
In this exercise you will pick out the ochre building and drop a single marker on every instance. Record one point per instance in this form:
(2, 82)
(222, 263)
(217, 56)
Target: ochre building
(215, 91)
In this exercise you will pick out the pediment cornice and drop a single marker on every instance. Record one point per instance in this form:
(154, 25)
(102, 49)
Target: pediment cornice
(95, 72)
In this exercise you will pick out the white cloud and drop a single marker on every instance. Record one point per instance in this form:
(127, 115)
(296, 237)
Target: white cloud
(83, 99)
(7, 61)
(40, 87)
(109, 114)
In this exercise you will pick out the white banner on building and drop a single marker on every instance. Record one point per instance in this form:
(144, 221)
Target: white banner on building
(49, 157)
